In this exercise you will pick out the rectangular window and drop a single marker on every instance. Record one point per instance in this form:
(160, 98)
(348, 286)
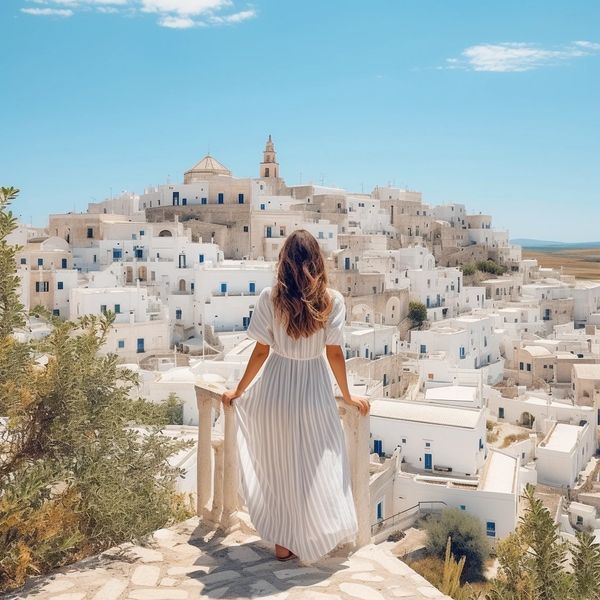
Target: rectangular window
(223, 288)
(117, 253)
(55, 312)
(463, 507)
(462, 352)
(117, 309)
(245, 228)
(529, 366)
(178, 314)
(221, 198)
(423, 349)
(121, 344)
(142, 232)
(90, 232)
(184, 201)
(521, 366)
(64, 263)
(203, 200)
(201, 258)
(40, 262)
(262, 207)
(23, 261)
(500, 412)
(175, 198)
(240, 198)
(427, 444)
(41, 286)
(59, 285)
(491, 529)
(103, 309)
(252, 287)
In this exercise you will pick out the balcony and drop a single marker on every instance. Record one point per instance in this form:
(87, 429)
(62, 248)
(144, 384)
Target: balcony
(217, 554)
(218, 502)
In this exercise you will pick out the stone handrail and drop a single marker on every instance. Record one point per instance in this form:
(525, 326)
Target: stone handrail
(217, 472)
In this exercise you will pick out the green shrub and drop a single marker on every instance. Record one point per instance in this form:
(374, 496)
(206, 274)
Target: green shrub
(468, 539)
(74, 477)
(417, 313)
(469, 269)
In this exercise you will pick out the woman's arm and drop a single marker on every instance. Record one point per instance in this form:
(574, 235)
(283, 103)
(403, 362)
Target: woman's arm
(337, 362)
(257, 358)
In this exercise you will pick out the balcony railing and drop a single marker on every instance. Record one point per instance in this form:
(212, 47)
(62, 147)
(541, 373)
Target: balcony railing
(218, 501)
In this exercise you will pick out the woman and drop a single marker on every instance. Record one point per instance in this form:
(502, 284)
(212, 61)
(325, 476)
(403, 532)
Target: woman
(291, 446)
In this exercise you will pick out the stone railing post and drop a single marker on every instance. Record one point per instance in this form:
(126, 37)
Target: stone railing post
(204, 459)
(356, 429)
(229, 518)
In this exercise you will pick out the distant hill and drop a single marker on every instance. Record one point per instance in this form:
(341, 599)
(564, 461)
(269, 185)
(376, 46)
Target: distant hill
(529, 243)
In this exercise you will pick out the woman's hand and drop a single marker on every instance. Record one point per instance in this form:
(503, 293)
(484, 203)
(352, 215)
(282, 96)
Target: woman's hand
(229, 396)
(360, 402)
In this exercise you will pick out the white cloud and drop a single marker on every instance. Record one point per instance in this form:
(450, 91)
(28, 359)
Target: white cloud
(48, 12)
(184, 7)
(177, 22)
(510, 57)
(237, 17)
(174, 14)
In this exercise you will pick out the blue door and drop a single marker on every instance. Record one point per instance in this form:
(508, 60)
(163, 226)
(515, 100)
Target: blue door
(378, 447)
(379, 511)
(245, 322)
(140, 345)
(268, 231)
(428, 461)
(347, 263)
(252, 287)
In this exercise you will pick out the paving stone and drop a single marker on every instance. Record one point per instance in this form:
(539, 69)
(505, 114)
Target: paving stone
(312, 595)
(167, 537)
(111, 590)
(366, 577)
(358, 590)
(145, 555)
(430, 592)
(193, 570)
(70, 596)
(220, 576)
(58, 585)
(402, 593)
(186, 550)
(218, 593)
(166, 594)
(168, 581)
(288, 573)
(243, 554)
(145, 575)
(262, 588)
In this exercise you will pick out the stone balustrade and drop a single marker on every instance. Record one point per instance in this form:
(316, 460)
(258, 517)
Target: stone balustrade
(218, 477)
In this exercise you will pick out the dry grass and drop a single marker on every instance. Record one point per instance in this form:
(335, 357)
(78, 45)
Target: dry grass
(512, 438)
(583, 263)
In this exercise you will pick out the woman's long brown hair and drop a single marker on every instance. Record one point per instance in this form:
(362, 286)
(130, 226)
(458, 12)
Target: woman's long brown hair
(300, 297)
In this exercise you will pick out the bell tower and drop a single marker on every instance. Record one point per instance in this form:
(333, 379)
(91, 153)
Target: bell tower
(269, 167)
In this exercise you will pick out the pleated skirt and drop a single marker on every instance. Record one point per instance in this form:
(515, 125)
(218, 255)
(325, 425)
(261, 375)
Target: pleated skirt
(293, 462)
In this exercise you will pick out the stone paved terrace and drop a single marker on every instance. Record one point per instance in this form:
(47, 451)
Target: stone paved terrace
(189, 562)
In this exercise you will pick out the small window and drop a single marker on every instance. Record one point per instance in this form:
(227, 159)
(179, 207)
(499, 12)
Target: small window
(121, 344)
(201, 258)
(23, 261)
(103, 309)
(59, 285)
(178, 314)
(463, 507)
(117, 309)
(221, 198)
(223, 288)
(203, 200)
(64, 263)
(90, 232)
(428, 444)
(41, 286)
(491, 529)
(262, 207)
(56, 312)
(245, 228)
(40, 262)
(404, 440)
(521, 366)
(240, 198)
(501, 412)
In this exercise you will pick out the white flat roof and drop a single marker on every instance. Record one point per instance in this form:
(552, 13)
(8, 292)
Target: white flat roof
(500, 474)
(460, 393)
(423, 412)
(563, 438)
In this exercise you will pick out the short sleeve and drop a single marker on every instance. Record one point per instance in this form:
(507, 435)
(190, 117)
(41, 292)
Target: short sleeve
(334, 332)
(261, 321)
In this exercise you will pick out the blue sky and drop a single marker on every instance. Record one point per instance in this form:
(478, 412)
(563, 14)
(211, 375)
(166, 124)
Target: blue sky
(492, 104)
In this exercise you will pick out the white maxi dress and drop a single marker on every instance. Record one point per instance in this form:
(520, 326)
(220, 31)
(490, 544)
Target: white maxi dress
(293, 463)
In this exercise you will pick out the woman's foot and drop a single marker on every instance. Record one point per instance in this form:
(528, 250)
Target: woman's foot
(282, 553)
